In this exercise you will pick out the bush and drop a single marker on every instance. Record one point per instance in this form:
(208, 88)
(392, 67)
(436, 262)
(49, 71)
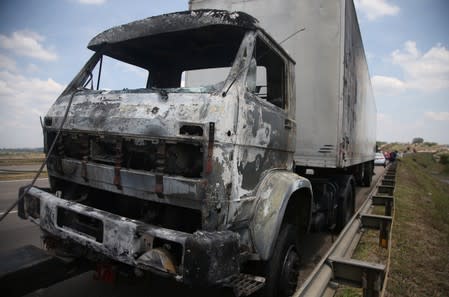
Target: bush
(444, 159)
(430, 144)
(417, 140)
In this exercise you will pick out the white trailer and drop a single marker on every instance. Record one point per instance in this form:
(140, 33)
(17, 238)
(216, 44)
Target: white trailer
(335, 108)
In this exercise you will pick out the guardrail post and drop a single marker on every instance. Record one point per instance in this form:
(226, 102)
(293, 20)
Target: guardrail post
(382, 223)
(386, 201)
(368, 276)
(383, 234)
(372, 284)
(388, 207)
(385, 190)
(388, 182)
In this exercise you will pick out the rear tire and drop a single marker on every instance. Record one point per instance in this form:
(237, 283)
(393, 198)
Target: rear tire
(345, 208)
(367, 174)
(359, 174)
(282, 270)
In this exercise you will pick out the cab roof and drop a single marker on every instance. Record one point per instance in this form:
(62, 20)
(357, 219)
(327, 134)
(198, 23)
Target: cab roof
(172, 22)
(147, 41)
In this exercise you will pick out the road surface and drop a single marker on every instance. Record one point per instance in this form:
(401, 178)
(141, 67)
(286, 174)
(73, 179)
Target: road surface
(15, 232)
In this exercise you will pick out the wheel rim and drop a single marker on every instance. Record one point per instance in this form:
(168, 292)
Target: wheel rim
(290, 272)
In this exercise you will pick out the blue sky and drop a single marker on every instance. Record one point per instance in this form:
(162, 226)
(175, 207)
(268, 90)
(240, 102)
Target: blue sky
(43, 45)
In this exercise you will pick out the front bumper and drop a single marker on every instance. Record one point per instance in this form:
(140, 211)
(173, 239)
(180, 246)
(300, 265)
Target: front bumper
(203, 258)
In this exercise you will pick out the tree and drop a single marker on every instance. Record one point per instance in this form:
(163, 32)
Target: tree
(417, 140)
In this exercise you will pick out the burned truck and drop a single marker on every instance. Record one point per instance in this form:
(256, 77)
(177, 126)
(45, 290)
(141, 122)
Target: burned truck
(197, 183)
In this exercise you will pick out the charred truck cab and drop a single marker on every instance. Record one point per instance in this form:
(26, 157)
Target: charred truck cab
(188, 182)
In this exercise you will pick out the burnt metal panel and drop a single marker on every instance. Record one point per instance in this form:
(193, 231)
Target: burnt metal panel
(172, 22)
(205, 257)
(186, 192)
(274, 194)
(358, 115)
(211, 257)
(122, 237)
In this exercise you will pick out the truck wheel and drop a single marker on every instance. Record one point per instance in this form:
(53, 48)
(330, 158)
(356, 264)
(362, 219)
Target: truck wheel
(345, 208)
(368, 174)
(359, 174)
(282, 270)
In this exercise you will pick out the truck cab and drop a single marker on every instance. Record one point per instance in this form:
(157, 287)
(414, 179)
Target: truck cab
(181, 177)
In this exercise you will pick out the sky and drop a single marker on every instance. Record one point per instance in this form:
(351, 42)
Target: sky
(43, 45)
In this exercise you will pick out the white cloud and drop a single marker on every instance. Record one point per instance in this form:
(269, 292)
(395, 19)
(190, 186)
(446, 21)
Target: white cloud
(437, 116)
(94, 2)
(428, 72)
(387, 85)
(23, 101)
(27, 43)
(32, 68)
(7, 63)
(374, 9)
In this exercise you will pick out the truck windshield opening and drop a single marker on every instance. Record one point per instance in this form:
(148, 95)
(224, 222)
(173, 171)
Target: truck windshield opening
(163, 58)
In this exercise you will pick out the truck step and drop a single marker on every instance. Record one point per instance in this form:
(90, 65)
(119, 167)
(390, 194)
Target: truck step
(246, 284)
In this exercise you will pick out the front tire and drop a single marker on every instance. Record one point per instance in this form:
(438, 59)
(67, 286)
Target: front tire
(282, 270)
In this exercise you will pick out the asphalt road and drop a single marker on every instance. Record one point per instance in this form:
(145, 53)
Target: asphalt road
(15, 232)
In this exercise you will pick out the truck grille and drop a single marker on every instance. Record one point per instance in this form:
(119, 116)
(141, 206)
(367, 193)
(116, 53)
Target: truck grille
(184, 159)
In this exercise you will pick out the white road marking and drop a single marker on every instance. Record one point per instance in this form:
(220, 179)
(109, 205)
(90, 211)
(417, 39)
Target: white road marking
(12, 211)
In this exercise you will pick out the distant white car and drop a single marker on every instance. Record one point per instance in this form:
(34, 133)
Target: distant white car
(380, 160)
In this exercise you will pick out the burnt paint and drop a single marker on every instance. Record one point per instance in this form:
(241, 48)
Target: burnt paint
(172, 22)
(266, 139)
(250, 138)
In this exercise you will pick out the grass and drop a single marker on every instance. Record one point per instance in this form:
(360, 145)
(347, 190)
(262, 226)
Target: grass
(20, 157)
(17, 176)
(419, 263)
(419, 147)
(349, 292)
(369, 249)
(420, 247)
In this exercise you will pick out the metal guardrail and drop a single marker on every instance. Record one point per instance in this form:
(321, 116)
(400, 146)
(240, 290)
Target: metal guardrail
(336, 267)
